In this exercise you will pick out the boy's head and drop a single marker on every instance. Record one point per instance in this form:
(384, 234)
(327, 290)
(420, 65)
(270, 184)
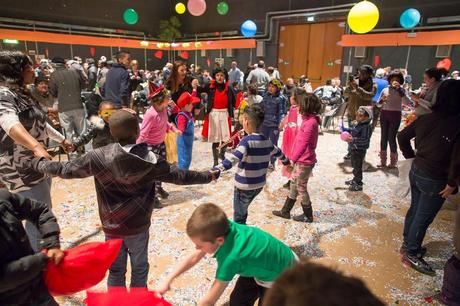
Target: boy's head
(207, 227)
(363, 114)
(124, 126)
(186, 101)
(253, 117)
(274, 86)
(310, 104)
(318, 285)
(106, 109)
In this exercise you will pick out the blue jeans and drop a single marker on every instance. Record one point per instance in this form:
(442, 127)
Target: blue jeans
(241, 201)
(425, 204)
(272, 133)
(40, 193)
(136, 246)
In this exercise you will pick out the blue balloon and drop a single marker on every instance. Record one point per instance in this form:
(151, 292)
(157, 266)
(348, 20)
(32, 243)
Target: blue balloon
(248, 28)
(409, 18)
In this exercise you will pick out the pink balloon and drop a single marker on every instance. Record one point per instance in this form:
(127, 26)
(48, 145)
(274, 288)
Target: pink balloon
(196, 7)
(344, 136)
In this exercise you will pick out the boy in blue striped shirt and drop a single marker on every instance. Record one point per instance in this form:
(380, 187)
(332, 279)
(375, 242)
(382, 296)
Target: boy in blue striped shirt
(253, 157)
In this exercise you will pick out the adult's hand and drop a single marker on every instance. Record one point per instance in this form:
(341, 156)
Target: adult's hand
(55, 254)
(67, 146)
(447, 191)
(39, 151)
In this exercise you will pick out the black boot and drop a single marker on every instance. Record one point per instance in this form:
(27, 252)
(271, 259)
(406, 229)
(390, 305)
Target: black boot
(215, 154)
(285, 212)
(162, 193)
(307, 215)
(222, 153)
(157, 203)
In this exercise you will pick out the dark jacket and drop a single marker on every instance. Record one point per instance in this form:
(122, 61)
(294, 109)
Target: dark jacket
(100, 137)
(21, 280)
(92, 77)
(274, 109)
(124, 183)
(66, 85)
(211, 88)
(438, 146)
(116, 86)
(185, 87)
(361, 136)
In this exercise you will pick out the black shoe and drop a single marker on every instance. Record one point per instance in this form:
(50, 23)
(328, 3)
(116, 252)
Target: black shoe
(355, 187)
(422, 253)
(285, 212)
(307, 215)
(287, 185)
(157, 203)
(347, 157)
(349, 182)
(302, 218)
(162, 193)
(418, 264)
(271, 167)
(282, 214)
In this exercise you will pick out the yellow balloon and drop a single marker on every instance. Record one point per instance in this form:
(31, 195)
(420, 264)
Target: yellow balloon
(363, 17)
(180, 8)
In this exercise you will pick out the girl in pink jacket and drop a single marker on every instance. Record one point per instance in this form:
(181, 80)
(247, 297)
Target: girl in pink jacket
(303, 157)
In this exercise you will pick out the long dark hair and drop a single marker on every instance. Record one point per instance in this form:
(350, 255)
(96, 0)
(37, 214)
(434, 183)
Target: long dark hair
(173, 81)
(447, 98)
(12, 66)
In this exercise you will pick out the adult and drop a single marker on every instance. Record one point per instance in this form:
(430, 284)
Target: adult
(435, 172)
(235, 75)
(390, 102)
(167, 69)
(117, 82)
(75, 64)
(259, 77)
(219, 111)
(65, 86)
(41, 94)
(101, 77)
(426, 97)
(92, 73)
(273, 73)
(381, 83)
(360, 91)
(454, 75)
(136, 76)
(23, 134)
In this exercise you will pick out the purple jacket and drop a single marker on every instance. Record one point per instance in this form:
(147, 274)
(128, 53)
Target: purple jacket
(306, 141)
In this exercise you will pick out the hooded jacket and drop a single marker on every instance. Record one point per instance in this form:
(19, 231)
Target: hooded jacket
(274, 109)
(116, 86)
(306, 140)
(125, 180)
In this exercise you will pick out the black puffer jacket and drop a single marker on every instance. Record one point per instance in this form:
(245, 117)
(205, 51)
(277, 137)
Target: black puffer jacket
(21, 281)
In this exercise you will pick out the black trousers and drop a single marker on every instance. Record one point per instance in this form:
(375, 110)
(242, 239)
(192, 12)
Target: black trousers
(357, 159)
(389, 129)
(246, 292)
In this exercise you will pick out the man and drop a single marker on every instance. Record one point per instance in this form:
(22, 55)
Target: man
(167, 71)
(75, 64)
(259, 77)
(273, 73)
(65, 86)
(116, 86)
(92, 74)
(235, 75)
(381, 83)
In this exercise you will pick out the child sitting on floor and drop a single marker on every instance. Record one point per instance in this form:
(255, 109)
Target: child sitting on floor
(125, 174)
(258, 257)
(185, 124)
(252, 155)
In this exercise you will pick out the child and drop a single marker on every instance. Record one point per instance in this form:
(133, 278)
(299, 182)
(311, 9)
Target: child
(252, 155)
(291, 124)
(125, 175)
(274, 105)
(304, 158)
(358, 144)
(255, 255)
(99, 130)
(312, 284)
(184, 122)
(21, 280)
(154, 127)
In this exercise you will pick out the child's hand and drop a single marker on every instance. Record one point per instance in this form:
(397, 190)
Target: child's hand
(67, 146)
(350, 139)
(55, 254)
(164, 287)
(290, 168)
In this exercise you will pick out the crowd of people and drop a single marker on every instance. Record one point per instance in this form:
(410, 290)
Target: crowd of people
(126, 114)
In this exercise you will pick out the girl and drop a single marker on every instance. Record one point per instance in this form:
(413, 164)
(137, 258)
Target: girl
(291, 124)
(155, 125)
(426, 98)
(303, 157)
(391, 100)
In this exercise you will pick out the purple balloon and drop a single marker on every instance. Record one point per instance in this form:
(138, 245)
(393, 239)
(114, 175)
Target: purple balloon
(344, 136)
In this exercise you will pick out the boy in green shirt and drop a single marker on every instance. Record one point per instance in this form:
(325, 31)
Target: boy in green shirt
(255, 255)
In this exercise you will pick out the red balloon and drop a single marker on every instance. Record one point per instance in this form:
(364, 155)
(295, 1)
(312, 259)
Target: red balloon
(82, 267)
(159, 54)
(445, 63)
(184, 55)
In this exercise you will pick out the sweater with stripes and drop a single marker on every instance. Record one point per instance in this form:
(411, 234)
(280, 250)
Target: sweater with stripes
(252, 156)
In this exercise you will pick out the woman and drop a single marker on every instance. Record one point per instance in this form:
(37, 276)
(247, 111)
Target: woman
(435, 172)
(426, 98)
(23, 134)
(390, 101)
(219, 111)
(177, 84)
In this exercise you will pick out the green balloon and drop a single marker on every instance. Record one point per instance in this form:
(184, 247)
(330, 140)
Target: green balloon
(222, 8)
(130, 16)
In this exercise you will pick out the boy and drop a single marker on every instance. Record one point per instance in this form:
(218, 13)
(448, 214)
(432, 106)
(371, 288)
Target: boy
(313, 284)
(125, 175)
(98, 131)
(253, 155)
(21, 279)
(255, 255)
(358, 144)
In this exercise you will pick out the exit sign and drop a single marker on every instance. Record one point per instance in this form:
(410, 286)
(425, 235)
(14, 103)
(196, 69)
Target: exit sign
(11, 41)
